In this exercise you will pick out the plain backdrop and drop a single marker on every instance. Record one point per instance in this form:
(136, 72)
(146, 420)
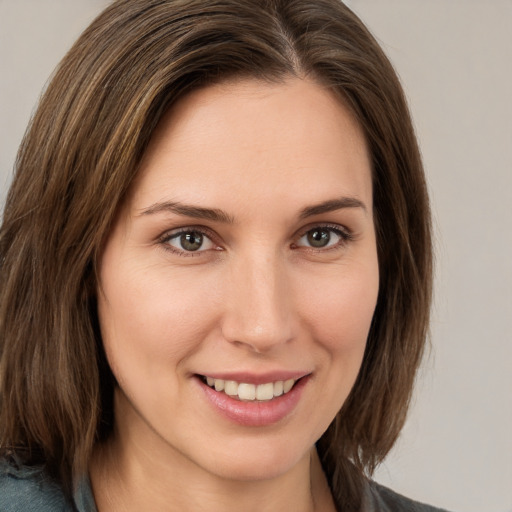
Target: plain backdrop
(454, 58)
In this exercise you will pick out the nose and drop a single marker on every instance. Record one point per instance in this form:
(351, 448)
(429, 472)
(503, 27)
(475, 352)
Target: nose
(258, 310)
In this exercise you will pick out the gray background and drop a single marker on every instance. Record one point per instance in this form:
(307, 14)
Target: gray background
(454, 58)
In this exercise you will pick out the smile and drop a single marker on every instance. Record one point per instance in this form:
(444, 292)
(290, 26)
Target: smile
(250, 392)
(254, 400)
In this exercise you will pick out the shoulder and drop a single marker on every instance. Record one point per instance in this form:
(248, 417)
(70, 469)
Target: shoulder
(381, 499)
(29, 489)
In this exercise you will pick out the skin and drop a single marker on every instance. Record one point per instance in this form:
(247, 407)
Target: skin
(255, 297)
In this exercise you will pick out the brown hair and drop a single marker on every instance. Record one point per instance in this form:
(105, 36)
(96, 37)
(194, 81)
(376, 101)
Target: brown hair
(79, 157)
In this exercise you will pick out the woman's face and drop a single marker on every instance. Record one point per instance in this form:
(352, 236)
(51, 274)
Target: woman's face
(243, 264)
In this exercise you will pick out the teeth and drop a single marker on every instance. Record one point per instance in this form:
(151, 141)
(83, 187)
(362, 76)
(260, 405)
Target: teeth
(265, 391)
(251, 392)
(246, 391)
(231, 388)
(287, 385)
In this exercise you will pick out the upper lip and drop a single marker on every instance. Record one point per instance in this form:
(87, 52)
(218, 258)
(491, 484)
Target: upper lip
(257, 378)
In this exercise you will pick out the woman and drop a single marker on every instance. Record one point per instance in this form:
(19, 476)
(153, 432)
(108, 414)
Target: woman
(216, 266)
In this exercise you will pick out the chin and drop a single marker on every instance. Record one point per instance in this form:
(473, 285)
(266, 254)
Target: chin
(260, 460)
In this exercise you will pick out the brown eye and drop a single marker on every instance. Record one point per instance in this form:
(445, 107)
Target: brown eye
(318, 237)
(324, 237)
(188, 241)
(191, 241)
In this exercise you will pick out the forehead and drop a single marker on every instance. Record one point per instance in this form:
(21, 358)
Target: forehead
(250, 137)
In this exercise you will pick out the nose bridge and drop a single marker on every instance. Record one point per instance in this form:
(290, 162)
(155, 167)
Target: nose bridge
(258, 313)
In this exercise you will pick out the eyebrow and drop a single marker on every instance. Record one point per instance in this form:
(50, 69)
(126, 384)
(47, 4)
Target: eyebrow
(332, 205)
(217, 215)
(196, 212)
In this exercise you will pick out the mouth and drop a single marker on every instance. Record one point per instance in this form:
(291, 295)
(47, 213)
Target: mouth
(254, 400)
(247, 392)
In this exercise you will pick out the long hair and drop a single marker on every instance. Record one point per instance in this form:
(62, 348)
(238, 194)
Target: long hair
(79, 157)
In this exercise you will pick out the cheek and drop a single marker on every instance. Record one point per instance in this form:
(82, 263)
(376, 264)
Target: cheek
(340, 311)
(148, 318)
(339, 314)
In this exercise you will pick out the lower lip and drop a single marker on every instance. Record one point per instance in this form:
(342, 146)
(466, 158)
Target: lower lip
(255, 414)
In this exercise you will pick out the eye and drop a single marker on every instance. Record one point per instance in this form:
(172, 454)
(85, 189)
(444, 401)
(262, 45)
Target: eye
(323, 237)
(188, 241)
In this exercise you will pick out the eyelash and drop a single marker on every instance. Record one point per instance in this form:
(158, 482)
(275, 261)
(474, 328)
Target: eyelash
(177, 233)
(344, 235)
